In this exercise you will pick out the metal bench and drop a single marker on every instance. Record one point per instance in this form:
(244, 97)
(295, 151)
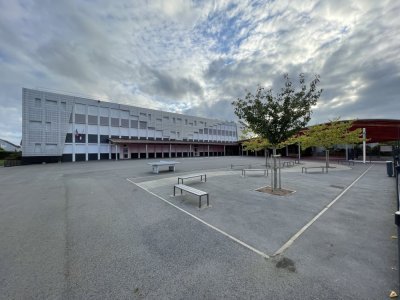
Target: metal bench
(233, 166)
(343, 161)
(193, 191)
(180, 179)
(304, 169)
(157, 164)
(250, 170)
(288, 163)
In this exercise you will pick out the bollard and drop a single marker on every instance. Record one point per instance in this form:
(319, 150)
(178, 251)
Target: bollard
(389, 168)
(397, 222)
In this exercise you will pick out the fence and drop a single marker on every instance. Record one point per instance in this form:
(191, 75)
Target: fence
(12, 162)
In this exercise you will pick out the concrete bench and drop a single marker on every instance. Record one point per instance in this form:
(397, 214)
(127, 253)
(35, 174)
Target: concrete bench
(251, 170)
(193, 191)
(343, 161)
(304, 169)
(157, 164)
(180, 179)
(288, 163)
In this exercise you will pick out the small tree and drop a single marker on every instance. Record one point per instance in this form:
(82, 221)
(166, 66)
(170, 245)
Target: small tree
(276, 118)
(327, 135)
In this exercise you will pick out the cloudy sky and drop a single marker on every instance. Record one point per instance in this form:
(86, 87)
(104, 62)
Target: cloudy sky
(196, 57)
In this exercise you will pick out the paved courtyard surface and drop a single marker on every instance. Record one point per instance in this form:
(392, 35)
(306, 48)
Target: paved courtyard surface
(114, 230)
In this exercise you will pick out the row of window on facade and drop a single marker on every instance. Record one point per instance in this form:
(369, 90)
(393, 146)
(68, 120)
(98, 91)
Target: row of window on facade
(80, 138)
(124, 123)
(92, 119)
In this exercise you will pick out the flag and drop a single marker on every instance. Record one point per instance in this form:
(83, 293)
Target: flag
(77, 135)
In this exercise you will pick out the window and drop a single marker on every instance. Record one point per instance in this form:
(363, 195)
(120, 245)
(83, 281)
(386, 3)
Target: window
(93, 138)
(80, 138)
(143, 125)
(104, 121)
(80, 119)
(134, 124)
(92, 120)
(125, 123)
(114, 122)
(68, 138)
(103, 139)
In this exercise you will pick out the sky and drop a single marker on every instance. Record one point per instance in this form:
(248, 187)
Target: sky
(196, 57)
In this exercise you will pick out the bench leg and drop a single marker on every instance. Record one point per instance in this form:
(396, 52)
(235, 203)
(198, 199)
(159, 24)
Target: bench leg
(208, 202)
(205, 177)
(199, 201)
(174, 189)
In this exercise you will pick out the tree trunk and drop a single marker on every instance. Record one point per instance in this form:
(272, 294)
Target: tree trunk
(327, 160)
(275, 170)
(266, 158)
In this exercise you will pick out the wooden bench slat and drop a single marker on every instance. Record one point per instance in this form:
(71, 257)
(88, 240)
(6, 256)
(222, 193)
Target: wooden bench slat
(193, 191)
(247, 170)
(180, 178)
(190, 189)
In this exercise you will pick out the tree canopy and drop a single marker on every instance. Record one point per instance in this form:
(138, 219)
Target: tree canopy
(275, 118)
(335, 132)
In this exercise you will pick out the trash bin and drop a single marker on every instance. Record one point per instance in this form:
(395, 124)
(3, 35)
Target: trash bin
(389, 168)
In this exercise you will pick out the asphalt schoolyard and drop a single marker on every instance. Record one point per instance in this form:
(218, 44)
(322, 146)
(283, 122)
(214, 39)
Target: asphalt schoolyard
(114, 230)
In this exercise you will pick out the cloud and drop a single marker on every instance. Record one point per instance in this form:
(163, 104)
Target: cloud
(197, 57)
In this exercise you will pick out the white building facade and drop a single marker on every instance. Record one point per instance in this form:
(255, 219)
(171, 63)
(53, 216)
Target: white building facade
(58, 127)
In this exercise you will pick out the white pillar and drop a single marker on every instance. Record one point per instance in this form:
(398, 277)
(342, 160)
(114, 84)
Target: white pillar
(364, 145)
(116, 152)
(347, 152)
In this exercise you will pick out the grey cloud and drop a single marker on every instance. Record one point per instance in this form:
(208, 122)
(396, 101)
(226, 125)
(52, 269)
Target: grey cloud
(221, 110)
(163, 83)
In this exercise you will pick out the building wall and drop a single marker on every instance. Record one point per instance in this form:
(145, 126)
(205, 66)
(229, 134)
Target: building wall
(78, 128)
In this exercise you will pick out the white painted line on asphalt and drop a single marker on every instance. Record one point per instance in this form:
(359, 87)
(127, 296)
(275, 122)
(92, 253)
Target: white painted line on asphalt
(302, 230)
(202, 221)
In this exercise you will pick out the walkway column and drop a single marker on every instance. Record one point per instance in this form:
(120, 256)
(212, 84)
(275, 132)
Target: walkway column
(147, 154)
(170, 148)
(347, 152)
(208, 150)
(190, 150)
(224, 150)
(116, 152)
(364, 132)
(287, 151)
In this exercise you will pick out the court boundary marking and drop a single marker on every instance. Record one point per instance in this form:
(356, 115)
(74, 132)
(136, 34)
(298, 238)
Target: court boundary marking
(285, 245)
(204, 222)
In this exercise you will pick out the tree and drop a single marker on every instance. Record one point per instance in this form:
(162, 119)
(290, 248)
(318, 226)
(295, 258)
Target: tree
(276, 118)
(335, 132)
(253, 143)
